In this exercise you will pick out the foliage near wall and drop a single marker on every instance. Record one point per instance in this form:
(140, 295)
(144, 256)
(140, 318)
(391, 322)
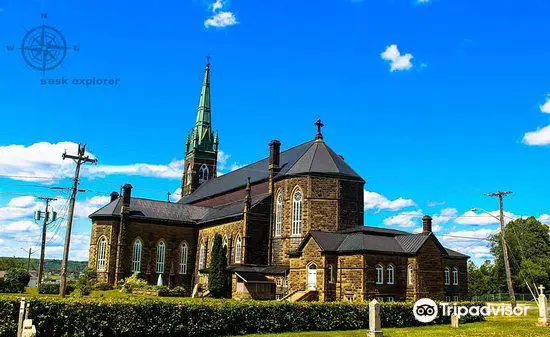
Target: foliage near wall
(54, 316)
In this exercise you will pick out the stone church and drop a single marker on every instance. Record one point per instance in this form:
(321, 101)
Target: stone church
(292, 224)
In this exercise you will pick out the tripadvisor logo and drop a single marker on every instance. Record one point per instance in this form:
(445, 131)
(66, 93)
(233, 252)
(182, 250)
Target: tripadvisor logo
(426, 310)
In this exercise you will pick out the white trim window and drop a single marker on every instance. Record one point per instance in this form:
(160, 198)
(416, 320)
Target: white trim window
(279, 282)
(297, 213)
(184, 253)
(161, 256)
(410, 274)
(101, 253)
(238, 250)
(202, 257)
(279, 215)
(391, 274)
(455, 276)
(330, 274)
(203, 173)
(447, 276)
(379, 274)
(136, 256)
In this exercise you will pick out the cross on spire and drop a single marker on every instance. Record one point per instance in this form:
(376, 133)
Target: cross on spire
(208, 59)
(319, 125)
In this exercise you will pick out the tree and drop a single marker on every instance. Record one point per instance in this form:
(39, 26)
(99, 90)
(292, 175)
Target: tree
(480, 280)
(217, 278)
(528, 243)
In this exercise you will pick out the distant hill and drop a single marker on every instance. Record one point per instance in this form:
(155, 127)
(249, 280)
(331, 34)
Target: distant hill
(50, 265)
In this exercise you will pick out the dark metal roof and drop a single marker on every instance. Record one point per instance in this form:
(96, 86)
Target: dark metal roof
(309, 157)
(373, 239)
(251, 277)
(165, 211)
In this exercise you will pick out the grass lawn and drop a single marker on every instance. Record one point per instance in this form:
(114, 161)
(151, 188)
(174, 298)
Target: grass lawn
(494, 326)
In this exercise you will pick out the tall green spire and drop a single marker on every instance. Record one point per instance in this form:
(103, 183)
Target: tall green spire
(202, 136)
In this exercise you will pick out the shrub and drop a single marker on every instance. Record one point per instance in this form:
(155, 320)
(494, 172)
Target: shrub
(217, 278)
(174, 292)
(86, 281)
(15, 281)
(133, 283)
(102, 286)
(53, 288)
(137, 316)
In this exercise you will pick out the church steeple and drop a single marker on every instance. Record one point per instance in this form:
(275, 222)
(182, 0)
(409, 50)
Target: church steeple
(201, 146)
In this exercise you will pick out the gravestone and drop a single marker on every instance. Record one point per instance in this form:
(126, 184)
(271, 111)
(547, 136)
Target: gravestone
(375, 325)
(543, 309)
(455, 320)
(29, 330)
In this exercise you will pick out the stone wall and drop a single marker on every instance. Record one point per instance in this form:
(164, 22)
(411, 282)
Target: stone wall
(430, 271)
(460, 290)
(298, 274)
(109, 230)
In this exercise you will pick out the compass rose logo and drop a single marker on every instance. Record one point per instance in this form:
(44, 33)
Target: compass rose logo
(44, 47)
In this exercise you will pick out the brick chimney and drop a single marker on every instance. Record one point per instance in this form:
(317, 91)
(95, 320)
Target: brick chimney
(426, 224)
(114, 196)
(126, 197)
(274, 155)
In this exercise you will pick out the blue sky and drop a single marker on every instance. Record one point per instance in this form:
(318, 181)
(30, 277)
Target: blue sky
(434, 103)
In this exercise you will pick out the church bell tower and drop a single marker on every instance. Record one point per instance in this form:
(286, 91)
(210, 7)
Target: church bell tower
(201, 149)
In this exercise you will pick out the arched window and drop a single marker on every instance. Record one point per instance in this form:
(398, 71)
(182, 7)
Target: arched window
(455, 276)
(184, 253)
(297, 213)
(447, 276)
(136, 256)
(279, 215)
(161, 252)
(203, 173)
(101, 253)
(330, 274)
(189, 175)
(238, 250)
(391, 274)
(202, 257)
(410, 274)
(379, 274)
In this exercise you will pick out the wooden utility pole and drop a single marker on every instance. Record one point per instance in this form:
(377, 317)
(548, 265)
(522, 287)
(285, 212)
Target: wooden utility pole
(79, 159)
(500, 195)
(43, 245)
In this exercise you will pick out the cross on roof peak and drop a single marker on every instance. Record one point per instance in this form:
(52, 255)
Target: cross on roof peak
(319, 125)
(541, 288)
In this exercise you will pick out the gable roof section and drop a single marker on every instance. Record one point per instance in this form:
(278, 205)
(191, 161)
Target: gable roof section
(309, 157)
(374, 239)
(147, 209)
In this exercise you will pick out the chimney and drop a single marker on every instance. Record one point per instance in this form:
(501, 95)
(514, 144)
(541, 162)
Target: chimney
(426, 224)
(114, 196)
(274, 155)
(126, 197)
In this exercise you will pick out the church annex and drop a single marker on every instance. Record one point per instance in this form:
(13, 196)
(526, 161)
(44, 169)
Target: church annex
(292, 224)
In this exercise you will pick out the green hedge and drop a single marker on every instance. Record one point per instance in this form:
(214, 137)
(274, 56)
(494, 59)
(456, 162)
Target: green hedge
(53, 288)
(54, 316)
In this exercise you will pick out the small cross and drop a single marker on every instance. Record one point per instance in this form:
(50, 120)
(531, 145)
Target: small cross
(319, 125)
(208, 59)
(541, 288)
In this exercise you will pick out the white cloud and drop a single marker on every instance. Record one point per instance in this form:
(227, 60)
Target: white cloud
(538, 137)
(404, 219)
(217, 5)
(373, 200)
(546, 106)
(173, 170)
(435, 203)
(19, 226)
(423, 2)
(221, 19)
(446, 215)
(472, 218)
(470, 242)
(19, 207)
(176, 195)
(544, 218)
(397, 61)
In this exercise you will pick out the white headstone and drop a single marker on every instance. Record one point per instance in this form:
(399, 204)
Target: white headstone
(29, 330)
(455, 320)
(159, 280)
(543, 309)
(375, 326)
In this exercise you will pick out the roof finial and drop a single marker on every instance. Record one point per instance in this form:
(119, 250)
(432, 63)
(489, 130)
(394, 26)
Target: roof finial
(208, 60)
(319, 125)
